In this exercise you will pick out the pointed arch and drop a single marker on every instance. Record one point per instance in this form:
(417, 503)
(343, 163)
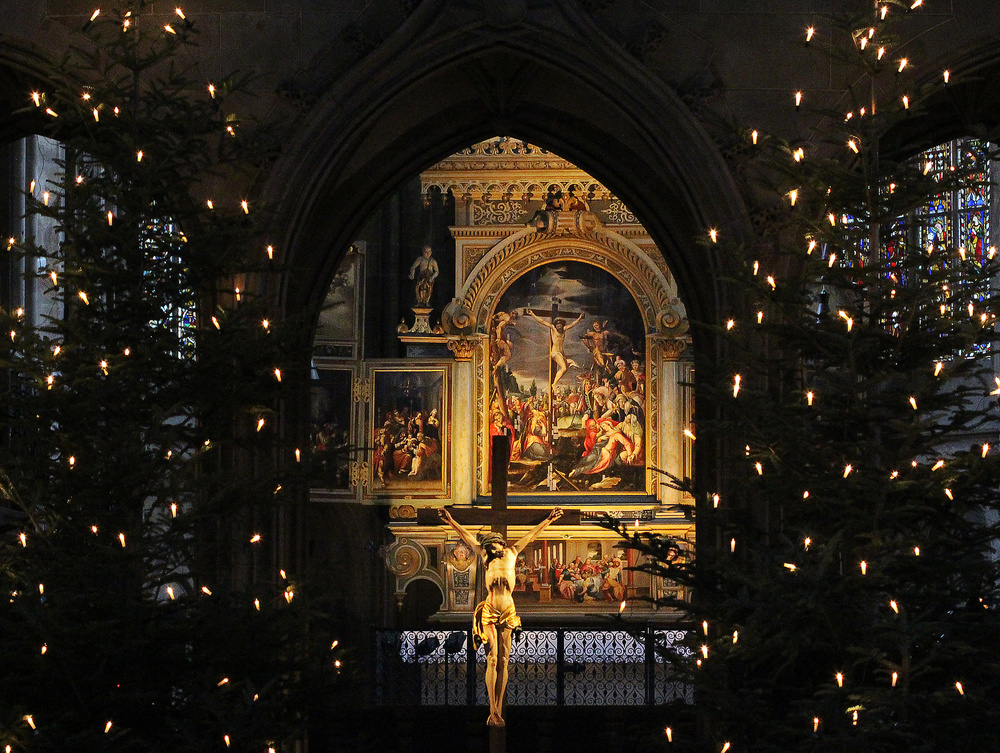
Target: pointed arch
(439, 84)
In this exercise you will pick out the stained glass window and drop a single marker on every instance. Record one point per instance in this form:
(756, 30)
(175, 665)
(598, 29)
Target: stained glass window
(965, 208)
(958, 218)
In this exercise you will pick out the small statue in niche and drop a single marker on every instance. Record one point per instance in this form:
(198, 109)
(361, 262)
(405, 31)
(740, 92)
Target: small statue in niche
(424, 270)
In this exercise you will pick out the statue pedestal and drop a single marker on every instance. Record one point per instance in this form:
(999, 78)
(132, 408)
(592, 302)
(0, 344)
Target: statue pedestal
(421, 325)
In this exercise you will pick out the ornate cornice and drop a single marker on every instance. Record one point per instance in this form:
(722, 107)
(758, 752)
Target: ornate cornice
(510, 169)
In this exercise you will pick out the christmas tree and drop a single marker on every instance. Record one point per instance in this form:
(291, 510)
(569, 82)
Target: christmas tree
(141, 464)
(845, 587)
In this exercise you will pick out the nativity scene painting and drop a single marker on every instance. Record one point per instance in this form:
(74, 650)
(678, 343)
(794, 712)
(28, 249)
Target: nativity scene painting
(567, 381)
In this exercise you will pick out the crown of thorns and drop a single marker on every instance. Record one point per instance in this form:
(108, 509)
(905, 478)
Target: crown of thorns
(490, 538)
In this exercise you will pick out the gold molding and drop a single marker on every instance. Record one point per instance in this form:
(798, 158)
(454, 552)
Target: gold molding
(603, 248)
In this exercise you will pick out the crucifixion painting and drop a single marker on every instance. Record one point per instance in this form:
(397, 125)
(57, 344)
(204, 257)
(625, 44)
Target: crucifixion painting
(568, 381)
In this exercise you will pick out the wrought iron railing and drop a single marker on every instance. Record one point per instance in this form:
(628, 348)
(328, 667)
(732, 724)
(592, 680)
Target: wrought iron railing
(557, 667)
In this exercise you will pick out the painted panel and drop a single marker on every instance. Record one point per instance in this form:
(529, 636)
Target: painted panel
(567, 382)
(331, 412)
(579, 574)
(410, 432)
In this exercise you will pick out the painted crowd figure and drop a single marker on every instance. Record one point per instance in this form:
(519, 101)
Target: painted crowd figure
(495, 621)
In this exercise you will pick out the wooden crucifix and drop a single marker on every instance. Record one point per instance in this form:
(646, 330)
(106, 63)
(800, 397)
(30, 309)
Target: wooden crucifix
(495, 621)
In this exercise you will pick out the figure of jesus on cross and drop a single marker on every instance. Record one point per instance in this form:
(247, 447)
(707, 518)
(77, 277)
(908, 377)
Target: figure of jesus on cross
(495, 621)
(557, 337)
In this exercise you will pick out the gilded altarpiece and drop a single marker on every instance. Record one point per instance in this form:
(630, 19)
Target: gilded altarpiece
(567, 336)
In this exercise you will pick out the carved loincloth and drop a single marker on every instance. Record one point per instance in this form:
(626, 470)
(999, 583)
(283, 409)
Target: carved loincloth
(487, 614)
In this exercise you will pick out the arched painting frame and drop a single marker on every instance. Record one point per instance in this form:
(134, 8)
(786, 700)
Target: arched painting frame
(567, 380)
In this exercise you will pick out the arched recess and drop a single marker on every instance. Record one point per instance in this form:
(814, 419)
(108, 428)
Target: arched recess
(446, 79)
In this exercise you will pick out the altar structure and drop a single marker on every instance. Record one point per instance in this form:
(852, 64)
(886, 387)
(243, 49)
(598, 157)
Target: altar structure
(556, 323)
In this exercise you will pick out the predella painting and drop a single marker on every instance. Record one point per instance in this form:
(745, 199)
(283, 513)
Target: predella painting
(568, 383)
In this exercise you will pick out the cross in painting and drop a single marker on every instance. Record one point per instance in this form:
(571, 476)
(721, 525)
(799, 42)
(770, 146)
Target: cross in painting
(558, 328)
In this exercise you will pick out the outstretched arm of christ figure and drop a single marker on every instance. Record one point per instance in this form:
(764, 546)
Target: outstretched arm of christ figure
(573, 323)
(533, 533)
(464, 534)
(541, 321)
